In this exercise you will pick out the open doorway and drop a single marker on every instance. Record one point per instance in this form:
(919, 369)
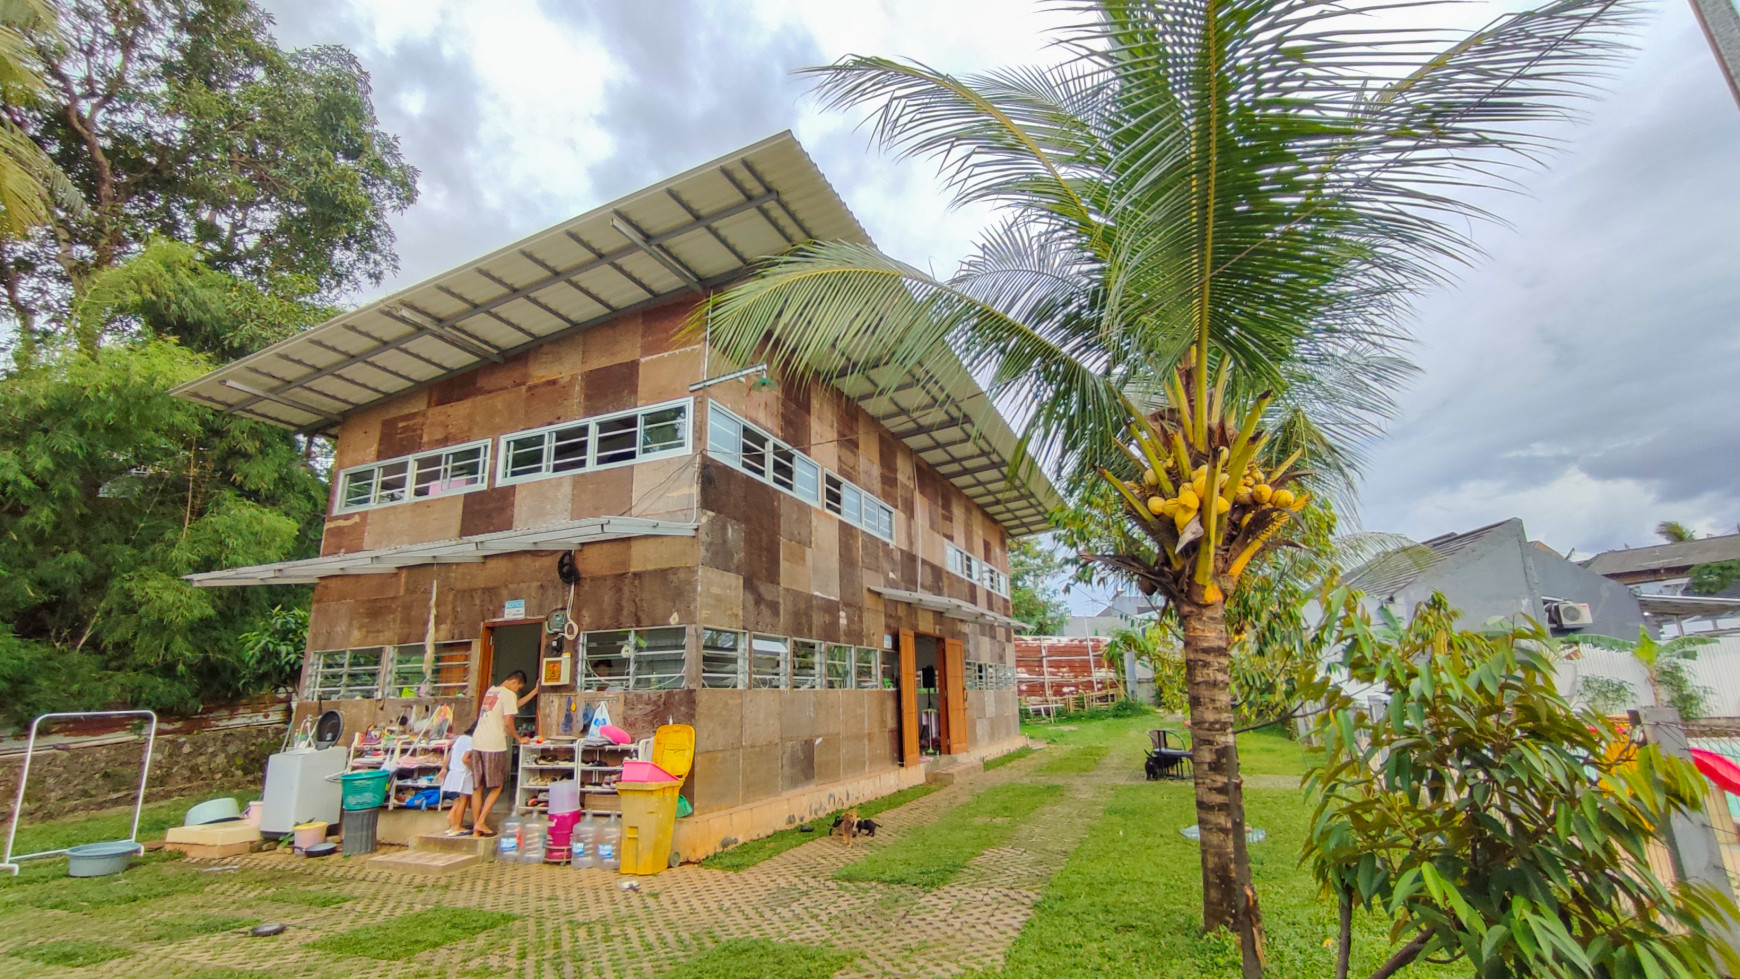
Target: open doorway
(514, 646)
(932, 713)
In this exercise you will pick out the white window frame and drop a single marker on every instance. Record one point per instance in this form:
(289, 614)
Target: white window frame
(412, 463)
(504, 455)
(633, 649)
(962, 564)
(362, 663)
(731, 426)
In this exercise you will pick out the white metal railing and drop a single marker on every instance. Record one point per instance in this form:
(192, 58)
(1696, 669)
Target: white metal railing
(12, 862)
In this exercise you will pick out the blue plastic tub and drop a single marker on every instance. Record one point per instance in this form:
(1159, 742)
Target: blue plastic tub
(100, 859)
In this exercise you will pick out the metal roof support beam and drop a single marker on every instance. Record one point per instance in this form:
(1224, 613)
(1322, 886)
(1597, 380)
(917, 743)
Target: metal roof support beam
(613, 264)
(534, 300)
(627, 229)
(286, 402)
(492, 314)
(448, 335)
(602, 259)
(577, 287)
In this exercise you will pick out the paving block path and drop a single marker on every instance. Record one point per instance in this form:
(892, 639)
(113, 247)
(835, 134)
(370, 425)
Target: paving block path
(580, 925)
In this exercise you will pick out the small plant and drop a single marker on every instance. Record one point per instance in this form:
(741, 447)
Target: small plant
(1490, 820)
(1605, 695)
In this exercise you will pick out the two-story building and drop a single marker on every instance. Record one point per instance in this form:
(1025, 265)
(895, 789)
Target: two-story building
(814, 575)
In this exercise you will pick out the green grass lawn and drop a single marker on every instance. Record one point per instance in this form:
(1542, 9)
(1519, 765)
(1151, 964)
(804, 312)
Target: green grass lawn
(112, 824)
(745, 855)
(1076, 761)
(930, 856)
(72, 953)
(408, 934)
(758, 958)
(1127, 903)
(1001, 760)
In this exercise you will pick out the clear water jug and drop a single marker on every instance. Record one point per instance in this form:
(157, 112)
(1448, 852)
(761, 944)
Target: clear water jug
(586, 843)
(610, 845)
(507, 840)
(533, 832)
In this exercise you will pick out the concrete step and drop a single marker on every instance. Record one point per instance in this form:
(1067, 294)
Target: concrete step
(437, 843)
(430, 862)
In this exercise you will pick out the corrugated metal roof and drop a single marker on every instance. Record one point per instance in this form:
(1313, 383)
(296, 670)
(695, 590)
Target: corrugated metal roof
(1385, 575)
(691, 233)
(1663, 557)
(385, 560)
(954, 608)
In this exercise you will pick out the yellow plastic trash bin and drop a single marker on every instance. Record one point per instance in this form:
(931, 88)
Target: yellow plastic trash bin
(649, 812)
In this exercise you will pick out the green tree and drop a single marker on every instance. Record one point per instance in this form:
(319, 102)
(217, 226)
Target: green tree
(1249, 191)
(110, 490)
(29, 180)
(1714, 577)
(1491, 821)
(1033, 596)
(274, 652)
(183, 119)
(1157, 647)
(1671, 684)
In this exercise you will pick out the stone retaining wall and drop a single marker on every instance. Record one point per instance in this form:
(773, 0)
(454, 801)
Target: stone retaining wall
(104, 772)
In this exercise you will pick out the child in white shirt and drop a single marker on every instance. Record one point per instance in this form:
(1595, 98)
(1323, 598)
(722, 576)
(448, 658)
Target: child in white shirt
(457, 781)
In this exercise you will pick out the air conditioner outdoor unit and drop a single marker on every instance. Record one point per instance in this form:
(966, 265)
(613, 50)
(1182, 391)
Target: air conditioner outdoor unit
(1570, 615)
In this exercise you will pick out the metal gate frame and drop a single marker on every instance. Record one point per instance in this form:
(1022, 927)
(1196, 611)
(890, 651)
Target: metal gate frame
(12, 862)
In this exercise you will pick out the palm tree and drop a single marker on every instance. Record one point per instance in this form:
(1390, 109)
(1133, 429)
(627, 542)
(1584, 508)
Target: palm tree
(1212, 217)
(29, 181)
(1674, 532)
(1664, 666)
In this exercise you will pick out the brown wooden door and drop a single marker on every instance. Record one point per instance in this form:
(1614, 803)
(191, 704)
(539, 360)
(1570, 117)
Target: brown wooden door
(954, 696)
(908, 698)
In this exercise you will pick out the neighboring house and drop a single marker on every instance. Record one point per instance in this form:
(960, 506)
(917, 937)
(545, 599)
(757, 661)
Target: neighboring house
(1122, 612)
(1661, 574)
(807, 573)
(1497, 572)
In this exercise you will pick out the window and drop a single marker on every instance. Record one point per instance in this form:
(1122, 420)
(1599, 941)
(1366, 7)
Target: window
(451, 676)
(741, 445)
(635, 659)
(806, 665)
(839, 666)
(864, 668)
(977, 571)
(347, 674)
(722, 661)
(621, 439)
(973, 676)
(459, 469)
(890, 669)
(767, 655)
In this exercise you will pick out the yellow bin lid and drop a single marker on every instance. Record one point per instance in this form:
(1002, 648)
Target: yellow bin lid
(674, 748)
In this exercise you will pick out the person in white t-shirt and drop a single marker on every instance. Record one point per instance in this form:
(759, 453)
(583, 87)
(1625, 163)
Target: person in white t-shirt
(490, 739)
(456, 781)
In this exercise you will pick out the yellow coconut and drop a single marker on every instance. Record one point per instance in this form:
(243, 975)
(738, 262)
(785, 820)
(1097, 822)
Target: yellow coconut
(1262, 493)
(1156, 505)
(1221, 505)
(1282, 498)
(1189, 499)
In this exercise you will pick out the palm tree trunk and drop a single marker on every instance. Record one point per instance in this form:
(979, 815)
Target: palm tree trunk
(1208, 679)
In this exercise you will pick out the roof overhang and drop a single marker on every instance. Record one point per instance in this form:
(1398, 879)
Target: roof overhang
(1688, 606)
(954, 608)
(388, 560)
(686, 235)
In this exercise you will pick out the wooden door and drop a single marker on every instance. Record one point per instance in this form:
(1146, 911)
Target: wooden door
(954, 657)
(908, 698)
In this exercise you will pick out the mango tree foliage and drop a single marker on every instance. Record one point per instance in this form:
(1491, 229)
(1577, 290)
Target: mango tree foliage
(1488, 818)
(110, 491)
(184, 119)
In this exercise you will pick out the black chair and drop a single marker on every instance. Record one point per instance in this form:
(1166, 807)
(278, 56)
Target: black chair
(1165, 761)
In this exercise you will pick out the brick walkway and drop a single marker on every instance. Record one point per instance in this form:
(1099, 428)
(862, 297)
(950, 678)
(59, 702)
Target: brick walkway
(579, 924)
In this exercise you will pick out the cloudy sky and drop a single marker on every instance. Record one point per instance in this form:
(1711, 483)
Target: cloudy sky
(1582, 377)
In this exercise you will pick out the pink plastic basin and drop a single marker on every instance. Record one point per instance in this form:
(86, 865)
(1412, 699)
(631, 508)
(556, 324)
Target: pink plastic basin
(645, 771)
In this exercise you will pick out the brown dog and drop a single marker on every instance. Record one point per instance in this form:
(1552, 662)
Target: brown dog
(846, 824)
